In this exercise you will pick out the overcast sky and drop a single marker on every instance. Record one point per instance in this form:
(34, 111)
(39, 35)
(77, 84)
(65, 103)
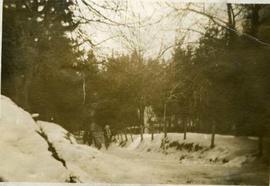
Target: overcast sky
(154, 26)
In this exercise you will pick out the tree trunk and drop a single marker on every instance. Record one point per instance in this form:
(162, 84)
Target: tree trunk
(152, 132)
(141, 110)
(176, 122)
(141, 129)
(164, 120)
(185, 129)
(84, 89)
(231, 24)
(213, 136)
(125, 133)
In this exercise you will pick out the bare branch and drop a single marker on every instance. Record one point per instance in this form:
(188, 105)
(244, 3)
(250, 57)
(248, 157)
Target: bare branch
(222, 24)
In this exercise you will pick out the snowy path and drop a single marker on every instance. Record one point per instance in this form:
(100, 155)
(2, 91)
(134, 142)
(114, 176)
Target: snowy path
(167, 170)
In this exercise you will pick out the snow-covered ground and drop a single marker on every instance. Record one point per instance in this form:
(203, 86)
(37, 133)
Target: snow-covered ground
(45, 151)
(229, 150)
(232, 161)
(145, 162)
(24, 155)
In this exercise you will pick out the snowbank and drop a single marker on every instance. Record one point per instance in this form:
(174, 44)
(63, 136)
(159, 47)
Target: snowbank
(57, 133)
(24, 153)
(86, 163)
(228, 150)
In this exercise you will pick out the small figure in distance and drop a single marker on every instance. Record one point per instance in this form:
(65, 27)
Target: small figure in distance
(107, 136)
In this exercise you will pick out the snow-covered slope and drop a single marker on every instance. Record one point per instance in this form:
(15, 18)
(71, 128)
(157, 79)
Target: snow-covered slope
(228, 150)
(88, 164)
(24, 154)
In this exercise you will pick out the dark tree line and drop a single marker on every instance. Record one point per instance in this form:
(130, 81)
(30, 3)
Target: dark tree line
(42, 70)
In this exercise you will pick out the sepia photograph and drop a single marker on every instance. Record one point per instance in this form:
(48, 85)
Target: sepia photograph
(135, 92)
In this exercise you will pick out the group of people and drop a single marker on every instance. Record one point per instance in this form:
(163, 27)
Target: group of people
(94, 135)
